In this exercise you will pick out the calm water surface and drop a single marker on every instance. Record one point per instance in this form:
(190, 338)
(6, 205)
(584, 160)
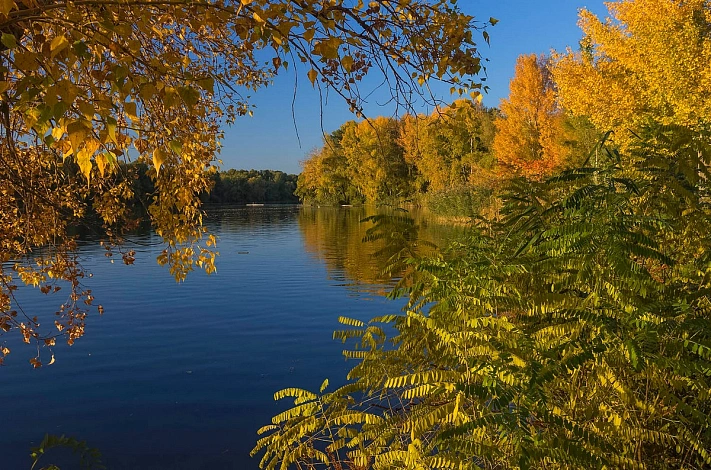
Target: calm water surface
(180, 376)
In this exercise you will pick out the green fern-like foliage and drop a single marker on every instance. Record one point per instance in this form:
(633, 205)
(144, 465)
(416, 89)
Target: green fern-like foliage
(574, 333)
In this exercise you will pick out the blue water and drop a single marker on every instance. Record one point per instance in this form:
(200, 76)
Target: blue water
(180, 376)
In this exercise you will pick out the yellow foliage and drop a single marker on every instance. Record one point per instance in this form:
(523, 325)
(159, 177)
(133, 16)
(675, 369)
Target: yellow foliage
(649, 60)
(529, 138)
(451, 146)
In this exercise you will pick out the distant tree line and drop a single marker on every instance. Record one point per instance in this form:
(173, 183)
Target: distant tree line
(453, 160)
(456, 158)
(253, 186)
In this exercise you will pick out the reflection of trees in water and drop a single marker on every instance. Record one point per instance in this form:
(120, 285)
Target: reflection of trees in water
(335, 235)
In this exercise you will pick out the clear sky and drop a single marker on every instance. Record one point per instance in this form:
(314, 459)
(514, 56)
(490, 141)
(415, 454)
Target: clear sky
(269, 139)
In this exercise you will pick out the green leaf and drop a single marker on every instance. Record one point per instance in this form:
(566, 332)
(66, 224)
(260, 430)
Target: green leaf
(207, 84)
(9, 40)
(189, 95)
(80, 49)
(176, 146)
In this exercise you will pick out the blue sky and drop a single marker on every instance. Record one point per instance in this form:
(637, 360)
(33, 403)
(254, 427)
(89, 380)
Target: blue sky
(268, 140)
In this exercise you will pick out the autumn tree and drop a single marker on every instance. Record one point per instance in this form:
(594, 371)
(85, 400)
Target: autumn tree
(324, 178)
(376, 165)
(85, 86)
(648, 60)
(529, 138)
(450, 147)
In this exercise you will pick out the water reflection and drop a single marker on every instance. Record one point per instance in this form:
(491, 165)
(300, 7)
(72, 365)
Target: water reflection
(180, 376)
(335, 236)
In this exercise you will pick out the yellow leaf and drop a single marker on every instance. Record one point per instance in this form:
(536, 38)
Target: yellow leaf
(57, 132)
(66, 148)
(57, 45)
(130, 108)
(77, 132)
(158, 159)
(87, 109)
(101, 162)
(111, 129)
(84, 161)
(347, 63)
(91, 145)
(312, 76)
(6, 6)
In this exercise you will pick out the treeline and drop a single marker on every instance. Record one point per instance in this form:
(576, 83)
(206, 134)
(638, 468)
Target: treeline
(454, 159)
(253, 186)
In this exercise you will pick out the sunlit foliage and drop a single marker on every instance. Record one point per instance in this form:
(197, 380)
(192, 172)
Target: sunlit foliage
(376, 166)
(325, 177)
(360, 162)
(530, 133)
(648, 61)
(450, 147)
(87, 85)
(576, 333)
(384, 160)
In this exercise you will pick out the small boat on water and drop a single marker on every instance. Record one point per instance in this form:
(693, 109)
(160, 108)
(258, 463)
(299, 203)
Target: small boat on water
(254, 205)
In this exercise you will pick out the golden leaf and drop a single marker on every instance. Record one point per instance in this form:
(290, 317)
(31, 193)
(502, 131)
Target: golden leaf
(57, 45)
(6, 6)
(312, 76)
(101, 162)
(77, 132)
(158, 158)
(130, 108)
(347, 63)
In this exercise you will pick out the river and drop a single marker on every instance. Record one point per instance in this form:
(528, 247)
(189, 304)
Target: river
(180, 376)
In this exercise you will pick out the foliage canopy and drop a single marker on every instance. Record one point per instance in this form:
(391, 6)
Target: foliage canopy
(647, 61)
(529, 137)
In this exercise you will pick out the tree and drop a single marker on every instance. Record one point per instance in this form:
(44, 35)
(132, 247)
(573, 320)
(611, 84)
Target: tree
(529, 134)
(86, 85)
(648, 60)
(575, 333)
(376, 166)
(324, 177)
(449, 146)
